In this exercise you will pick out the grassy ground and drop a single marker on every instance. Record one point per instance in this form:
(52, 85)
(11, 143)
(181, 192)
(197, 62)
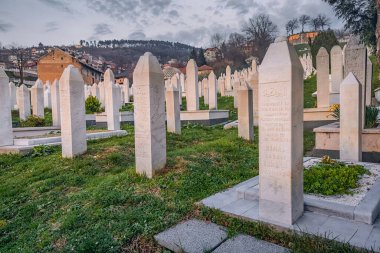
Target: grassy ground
(97, 203)
(310, 86)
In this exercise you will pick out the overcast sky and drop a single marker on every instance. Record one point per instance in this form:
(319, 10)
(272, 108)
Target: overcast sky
(59, 22)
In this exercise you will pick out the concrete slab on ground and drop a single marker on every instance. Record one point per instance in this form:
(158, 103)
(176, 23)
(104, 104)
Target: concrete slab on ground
(249, 244)
(192, 236)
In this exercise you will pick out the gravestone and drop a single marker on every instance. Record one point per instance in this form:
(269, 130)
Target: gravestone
(200, 89)
(149, 113)
(351, 119)
(228, 79)
(323, 80)
(6, 134)
(205, 90)
(173, 107)
(95, 91)
(281, 135)
(102, 94)
(12, 94)
(73, 113)
(112, 101)
(23, 101)
(47, 95)
(37, 96)
(222, 85)
(336, 68)
(182, 79)
(355, 61)
(253, 80)
(368, 88)
(245, 112)
(126, 90)
(87, 91)
(192, 95)
(212, 92)
(55, 104)
(236, 86)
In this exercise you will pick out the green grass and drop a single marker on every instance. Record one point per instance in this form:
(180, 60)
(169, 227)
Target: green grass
(310, 86)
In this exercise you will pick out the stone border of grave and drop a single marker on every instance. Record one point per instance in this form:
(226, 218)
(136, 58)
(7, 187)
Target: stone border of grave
(23, 146)
(367, 210)
(327, 142)
(205, 117)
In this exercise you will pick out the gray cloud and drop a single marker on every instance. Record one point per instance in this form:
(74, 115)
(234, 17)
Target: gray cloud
(137, 35)
(102, 29)
(58, 4)
(5, 27)
(51, 26)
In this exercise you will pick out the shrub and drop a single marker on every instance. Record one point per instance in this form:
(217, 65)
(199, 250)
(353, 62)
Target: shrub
(127, 108)
(93, 105)
(42, 150)
(33, 121)
(330, 177)
(371, 113)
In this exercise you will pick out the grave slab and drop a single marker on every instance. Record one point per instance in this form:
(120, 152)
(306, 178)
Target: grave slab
(248, 244)
(192, 236)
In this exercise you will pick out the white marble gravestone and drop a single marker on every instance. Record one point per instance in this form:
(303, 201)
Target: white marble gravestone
(55, 104)
(6, 134)
(205, 90)
(149, 114)
(23, 101)
(73, 113)
(192, 95)
(245, 112)
(212, 92)
(281, 135)
(323, 80)
(37, 96)
(112, 101)
(173, 107)
(351, 119)
(12, 94)
(228, 79)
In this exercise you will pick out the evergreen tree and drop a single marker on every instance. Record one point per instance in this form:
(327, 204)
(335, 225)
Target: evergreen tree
(201, 60)
(324, 39)
(193, 54)
(360, 17)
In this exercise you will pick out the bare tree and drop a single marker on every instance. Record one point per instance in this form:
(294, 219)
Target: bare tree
(292, 25)
(217, 40)
(22, 56)
(303, 21)
(323, 21)
(315, 24)
(261, 32)
(236, 40)
(340, 33)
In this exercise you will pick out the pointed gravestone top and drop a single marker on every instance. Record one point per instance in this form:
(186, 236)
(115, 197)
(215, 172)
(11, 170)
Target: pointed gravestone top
(350, 80)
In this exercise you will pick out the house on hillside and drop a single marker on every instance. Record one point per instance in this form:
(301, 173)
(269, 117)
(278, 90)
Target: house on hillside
(213, 54)
(51, 66)
(120, 76)
(302, 38)
(204, 70)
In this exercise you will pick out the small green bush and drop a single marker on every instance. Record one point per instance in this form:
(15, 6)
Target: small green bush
(332, 178)
(42, 150)
(33, 121)
(127, 108)
(93, 105)
(371, 113)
